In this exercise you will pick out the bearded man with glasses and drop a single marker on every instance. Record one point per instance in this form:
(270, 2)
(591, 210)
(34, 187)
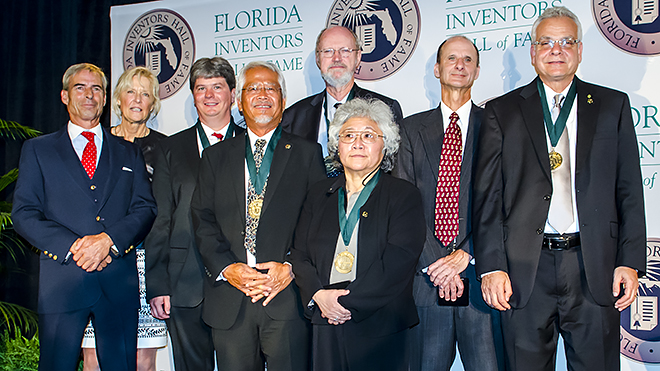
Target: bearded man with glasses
(338, 55)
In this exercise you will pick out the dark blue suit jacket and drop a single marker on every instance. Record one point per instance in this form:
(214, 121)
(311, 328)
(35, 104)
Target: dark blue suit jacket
(56, 203)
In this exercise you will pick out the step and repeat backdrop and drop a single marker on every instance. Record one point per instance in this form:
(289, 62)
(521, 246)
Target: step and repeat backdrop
(621, 46)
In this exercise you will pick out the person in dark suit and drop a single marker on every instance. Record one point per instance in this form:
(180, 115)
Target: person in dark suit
(447, 253)
(175, 274)
(558, 208)
(248, 199)
(357, 243)
(84, 199)
(338, 54)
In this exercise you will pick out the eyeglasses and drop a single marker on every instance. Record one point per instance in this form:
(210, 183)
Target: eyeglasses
(259, 88)
(343, 52)
(565, 43)
(367, 136)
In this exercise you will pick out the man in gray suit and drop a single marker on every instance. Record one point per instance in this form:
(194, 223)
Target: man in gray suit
(436, 155)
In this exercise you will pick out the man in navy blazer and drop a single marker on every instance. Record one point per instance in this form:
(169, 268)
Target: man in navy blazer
(86, 220)
(440, 268)
(552, 276)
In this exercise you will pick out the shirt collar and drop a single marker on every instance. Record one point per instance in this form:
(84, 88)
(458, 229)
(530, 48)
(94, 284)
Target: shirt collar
(550, 94)
(75, 130)
(463, 115)
(253, 137)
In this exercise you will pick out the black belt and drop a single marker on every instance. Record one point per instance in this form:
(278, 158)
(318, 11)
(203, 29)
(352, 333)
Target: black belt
(565, 241)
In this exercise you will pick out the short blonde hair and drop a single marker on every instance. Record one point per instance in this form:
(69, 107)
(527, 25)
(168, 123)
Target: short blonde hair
(125, 82)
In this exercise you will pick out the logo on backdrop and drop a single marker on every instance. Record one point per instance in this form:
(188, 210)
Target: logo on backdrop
(632, 26)
(162, 41)
(389, 31)
(640, 333)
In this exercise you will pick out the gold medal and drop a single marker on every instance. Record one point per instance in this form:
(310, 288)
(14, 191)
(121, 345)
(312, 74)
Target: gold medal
(344, 262)
(254, 209)
(555, 160)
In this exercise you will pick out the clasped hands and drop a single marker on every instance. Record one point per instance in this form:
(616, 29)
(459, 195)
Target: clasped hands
(330, 307)
(92, 252)
(259, 285)
(445, 274)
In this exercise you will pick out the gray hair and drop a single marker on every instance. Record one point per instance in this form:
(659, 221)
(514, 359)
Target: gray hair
(240, 81)
(374, 110)
(557, 12)
(208, 68)
(356, 39)
(125, 83)
(71, 71)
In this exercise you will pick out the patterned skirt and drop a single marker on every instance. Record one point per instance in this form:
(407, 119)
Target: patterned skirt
(152, 332)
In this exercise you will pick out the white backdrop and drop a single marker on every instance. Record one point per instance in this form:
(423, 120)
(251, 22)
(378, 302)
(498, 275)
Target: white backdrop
(285, 32)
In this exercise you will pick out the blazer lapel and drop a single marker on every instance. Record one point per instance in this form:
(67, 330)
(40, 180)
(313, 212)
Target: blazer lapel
(280, 159)
(72, 165)
(532, 111)
(235, 163)
(107, 171)
(432, 134)
(314, 114)
(588, 107)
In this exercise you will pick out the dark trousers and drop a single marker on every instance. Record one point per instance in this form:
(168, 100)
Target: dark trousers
(336, 348)
(562, 304)
(432, 343)
(192, 342)
(60, 336)
(256, 340)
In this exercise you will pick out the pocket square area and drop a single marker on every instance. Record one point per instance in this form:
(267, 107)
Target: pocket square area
(127, 169)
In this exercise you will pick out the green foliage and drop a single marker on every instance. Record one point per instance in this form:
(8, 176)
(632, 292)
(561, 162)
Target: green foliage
(18, 318)
(13, 316)
(19, 353)
(14, 130)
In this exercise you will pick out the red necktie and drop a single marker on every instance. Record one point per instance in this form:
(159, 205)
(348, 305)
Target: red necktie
(217, 135)
(89, 154)
(449, 177)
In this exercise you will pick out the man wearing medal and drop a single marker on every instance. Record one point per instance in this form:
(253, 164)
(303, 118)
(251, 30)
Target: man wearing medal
(338, 55)
(558, 215)
(445, 268)
(175, 275)
(248, 199)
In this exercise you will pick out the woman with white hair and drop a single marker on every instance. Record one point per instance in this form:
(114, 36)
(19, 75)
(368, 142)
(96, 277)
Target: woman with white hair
(356, 246)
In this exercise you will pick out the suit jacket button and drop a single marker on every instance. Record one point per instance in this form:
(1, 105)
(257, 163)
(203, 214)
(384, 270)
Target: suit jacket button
(54, 257)
(93, 187)
(242, 233)
(98, 218)
(546, 197)
(539, 231)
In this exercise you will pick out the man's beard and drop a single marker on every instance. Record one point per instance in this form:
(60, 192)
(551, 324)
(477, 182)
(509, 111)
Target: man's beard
(263, 119)
(337, 82)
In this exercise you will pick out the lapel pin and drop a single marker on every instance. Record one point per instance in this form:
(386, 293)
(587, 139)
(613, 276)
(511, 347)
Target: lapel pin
(589, 100)
(365, 214)
(287, 146)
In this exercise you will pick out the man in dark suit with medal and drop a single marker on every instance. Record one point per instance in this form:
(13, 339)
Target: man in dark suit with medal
(338, 54)
(426, 153)
(84, 199)
(175, 274)
(248, 199)
(559, 229)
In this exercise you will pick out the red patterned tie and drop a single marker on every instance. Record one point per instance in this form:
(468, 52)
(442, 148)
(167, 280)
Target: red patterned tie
(449, 177)
(217, 135)
(89, 154)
